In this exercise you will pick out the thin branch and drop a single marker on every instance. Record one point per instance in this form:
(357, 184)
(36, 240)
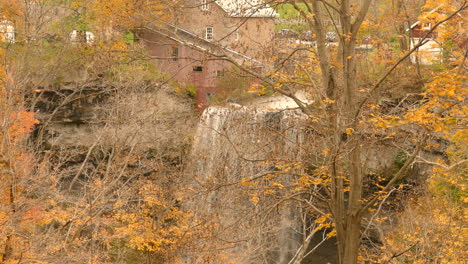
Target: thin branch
(318, 210)
(291, 54)
(396, 255)
(324, 238)
(448, 168)
(421, 42)
(331, 6)
(378, 210)
(398, 175)
(90, 150)
(360, 18)
(302, 105)
(301, 251)
(462, 64)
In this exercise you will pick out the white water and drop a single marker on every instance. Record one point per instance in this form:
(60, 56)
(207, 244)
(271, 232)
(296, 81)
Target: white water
(235, 143)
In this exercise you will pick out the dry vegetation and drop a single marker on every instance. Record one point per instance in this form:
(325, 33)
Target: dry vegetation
(101, 160)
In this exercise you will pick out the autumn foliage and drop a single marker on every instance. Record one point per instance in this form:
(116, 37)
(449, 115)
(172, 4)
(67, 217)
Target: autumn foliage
(110, 200)
(16, 165)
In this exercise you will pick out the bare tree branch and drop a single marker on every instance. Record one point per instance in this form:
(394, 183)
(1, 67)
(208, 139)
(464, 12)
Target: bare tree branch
(397, 176)
(421, 42)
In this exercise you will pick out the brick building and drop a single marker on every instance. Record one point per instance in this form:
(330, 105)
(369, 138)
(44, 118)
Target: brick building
(238, 30)
(432, 51)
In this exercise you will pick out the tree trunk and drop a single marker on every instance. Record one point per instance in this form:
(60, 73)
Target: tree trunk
(352, 240)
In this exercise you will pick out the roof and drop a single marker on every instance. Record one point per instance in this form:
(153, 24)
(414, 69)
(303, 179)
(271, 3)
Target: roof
(247, 8)
(190, 39)
(6, 22)
(428, 14)
(432, 11)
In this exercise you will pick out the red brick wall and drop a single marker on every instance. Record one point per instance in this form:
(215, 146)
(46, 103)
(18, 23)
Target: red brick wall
(182, 69)
(417, 32)
(255, 34)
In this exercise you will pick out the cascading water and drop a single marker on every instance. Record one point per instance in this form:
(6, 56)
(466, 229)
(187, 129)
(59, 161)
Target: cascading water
(235, 147)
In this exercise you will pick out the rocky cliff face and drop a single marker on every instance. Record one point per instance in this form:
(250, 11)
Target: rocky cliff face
(83, 127)
(81, 115)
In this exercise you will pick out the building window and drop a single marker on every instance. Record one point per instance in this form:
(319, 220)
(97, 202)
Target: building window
(77, 37)
(209, 33)
(89, 37)
(205, 6)
(198, 69)
(210, 97)
(7, 31)
(219, 73)
(426, 26)
(175, 53)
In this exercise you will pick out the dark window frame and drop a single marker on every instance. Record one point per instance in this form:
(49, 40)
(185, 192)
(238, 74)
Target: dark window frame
(197, 68)
(175, 53)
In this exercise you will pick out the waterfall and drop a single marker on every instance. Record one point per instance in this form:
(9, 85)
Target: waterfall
(233, 148)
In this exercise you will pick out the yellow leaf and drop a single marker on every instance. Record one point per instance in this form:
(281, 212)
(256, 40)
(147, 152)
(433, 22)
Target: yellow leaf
(332, 233)
(254, 199)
